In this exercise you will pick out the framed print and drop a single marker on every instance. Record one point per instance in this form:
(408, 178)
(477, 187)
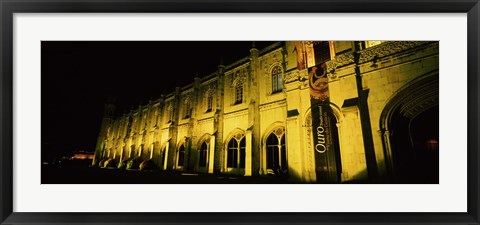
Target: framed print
(262, 112)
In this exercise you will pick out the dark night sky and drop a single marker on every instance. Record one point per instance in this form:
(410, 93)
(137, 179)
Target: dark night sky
(77, 77)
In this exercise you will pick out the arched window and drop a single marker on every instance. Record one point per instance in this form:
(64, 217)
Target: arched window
(236, 153)
(272, 151)
(203, 154)
(276, 152)
(188, 109)
(209, 101)
(277, 81)
(239, 93)
(169, 113)
(181, 155)
(232, 154)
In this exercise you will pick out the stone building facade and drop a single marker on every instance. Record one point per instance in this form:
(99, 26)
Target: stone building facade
(373, 119)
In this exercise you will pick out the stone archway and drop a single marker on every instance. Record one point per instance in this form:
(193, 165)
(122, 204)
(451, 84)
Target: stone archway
(410, 131)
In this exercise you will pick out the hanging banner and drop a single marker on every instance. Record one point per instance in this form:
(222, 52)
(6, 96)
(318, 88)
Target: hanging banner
(310, 54)
(300, 55)
(325, 135)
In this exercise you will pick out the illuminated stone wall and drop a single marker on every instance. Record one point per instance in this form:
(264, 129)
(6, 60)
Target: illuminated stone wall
(240, 101)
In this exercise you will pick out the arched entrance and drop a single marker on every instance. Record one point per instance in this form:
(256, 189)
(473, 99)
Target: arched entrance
(410, 127)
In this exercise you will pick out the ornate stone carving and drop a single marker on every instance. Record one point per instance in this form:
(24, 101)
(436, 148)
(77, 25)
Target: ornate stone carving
(279, 131)
(211, 88)
(339, 61)
(387, 49)
(267, 69)
(293, 76)
(239, 78)
(239, 136)
(296, 75)
(372, 53)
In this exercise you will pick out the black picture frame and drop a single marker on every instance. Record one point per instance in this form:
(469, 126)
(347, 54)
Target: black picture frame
(9, 7)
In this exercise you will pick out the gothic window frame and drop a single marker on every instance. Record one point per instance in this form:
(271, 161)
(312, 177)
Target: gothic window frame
(169, 113)
(276, 78)
(238, 90)
(238, 94)
(278, 147)
(209, 101)
(181, 150)
(235, 152)
(203, 152)
(187, 111)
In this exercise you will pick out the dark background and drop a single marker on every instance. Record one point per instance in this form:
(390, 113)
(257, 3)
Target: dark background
(78, 76)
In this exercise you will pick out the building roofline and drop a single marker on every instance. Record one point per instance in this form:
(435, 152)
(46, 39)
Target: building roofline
(213, 75)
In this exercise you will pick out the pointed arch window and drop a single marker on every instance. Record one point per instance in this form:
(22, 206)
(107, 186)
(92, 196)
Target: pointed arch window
(277, 81)
(169, 113)
(188, 109)
(181, 155)
(203, 154)
(276, 152)
(236, 153)
(209, 101)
